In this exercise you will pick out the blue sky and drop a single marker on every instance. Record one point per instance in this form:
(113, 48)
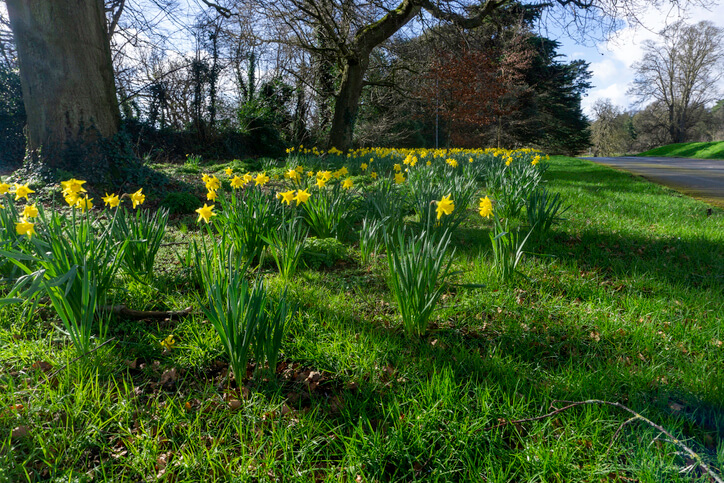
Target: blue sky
(611, 60)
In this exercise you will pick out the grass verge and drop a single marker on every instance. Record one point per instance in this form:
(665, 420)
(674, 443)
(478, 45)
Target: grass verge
(712, 150)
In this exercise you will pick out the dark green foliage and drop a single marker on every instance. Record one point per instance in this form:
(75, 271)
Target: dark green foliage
(327, 251)
(555, 119)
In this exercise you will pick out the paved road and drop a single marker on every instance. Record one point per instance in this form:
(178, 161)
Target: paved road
(700, 178)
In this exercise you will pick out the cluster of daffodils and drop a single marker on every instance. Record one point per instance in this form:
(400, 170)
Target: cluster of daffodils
(300, 196)
(75, 196)
(25, 225)
(485, 207)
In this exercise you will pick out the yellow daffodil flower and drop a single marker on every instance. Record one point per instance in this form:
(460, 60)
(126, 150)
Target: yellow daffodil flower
(300, 169)
(445, 206)
(72, 186)
(399, 178)
(325, 175)
(30, 211)
(111, 200)
(237, 182)
(138, 198)
(486, 207)
(302, 197)
(213, 183)
(168, 343)
(24, 227)
(286, 196)
(321, 182)
(261, 179)
(292, 174)
(373, 175)
(4, 188)
(211, 195)
(343, 171)
(71, 199)
(229, 171)
(363, 166)
(205, 213)
(248, 178)
(347, 184)
(22, 191)
(397, 168)
(452, 162)
(84, 203)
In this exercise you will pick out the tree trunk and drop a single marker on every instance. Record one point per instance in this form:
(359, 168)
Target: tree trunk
(67, 81)
(347, 103)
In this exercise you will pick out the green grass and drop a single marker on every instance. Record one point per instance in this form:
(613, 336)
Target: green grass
(713, 150)
(627, 306)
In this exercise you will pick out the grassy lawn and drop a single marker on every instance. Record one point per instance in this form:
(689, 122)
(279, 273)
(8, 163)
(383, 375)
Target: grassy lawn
(624, 302)
(713, 150)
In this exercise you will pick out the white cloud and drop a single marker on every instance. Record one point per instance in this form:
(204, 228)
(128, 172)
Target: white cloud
(605, 71)
(613, 73)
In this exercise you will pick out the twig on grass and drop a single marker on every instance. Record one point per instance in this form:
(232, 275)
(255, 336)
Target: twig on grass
(636, 416)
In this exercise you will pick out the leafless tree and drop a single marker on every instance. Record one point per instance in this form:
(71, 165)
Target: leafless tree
(681, 71)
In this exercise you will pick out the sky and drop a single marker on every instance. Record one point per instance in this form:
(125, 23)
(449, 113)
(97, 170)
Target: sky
(611, 61)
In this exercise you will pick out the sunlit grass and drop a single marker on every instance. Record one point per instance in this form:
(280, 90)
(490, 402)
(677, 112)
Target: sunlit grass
(623, 302)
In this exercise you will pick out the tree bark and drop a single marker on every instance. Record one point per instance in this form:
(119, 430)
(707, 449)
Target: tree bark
(67, 81)
(347, 104)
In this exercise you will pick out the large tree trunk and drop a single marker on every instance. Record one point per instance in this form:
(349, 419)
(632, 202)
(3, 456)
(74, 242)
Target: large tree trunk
(347, 103)
(67, 81)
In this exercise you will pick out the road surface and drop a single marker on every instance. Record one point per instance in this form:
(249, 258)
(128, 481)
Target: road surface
(700, 178)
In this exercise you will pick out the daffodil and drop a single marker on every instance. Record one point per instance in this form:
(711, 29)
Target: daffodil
(22, 191)
(445, 206)
(30, 211)
(84, 203)
(321, 182)
(325, 175)
(342, 171)
(399, 178)
(508, 161)
(292, 174)
(138, 198)
(286, 196)
(300, 169)
(237, 182)
(24, 227)
(397, 168)
(486, 207)
(4, 188)
(72, 186)
(452, 162)
(248, 178)
(363, 166)
(213, 183)
(211, 195)
(302, 197)
(168, 343)
(229, 171)
(205, 213)
(71, 199)
(261, 179)
(111, 200)
(373, 175)
(347, 183)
